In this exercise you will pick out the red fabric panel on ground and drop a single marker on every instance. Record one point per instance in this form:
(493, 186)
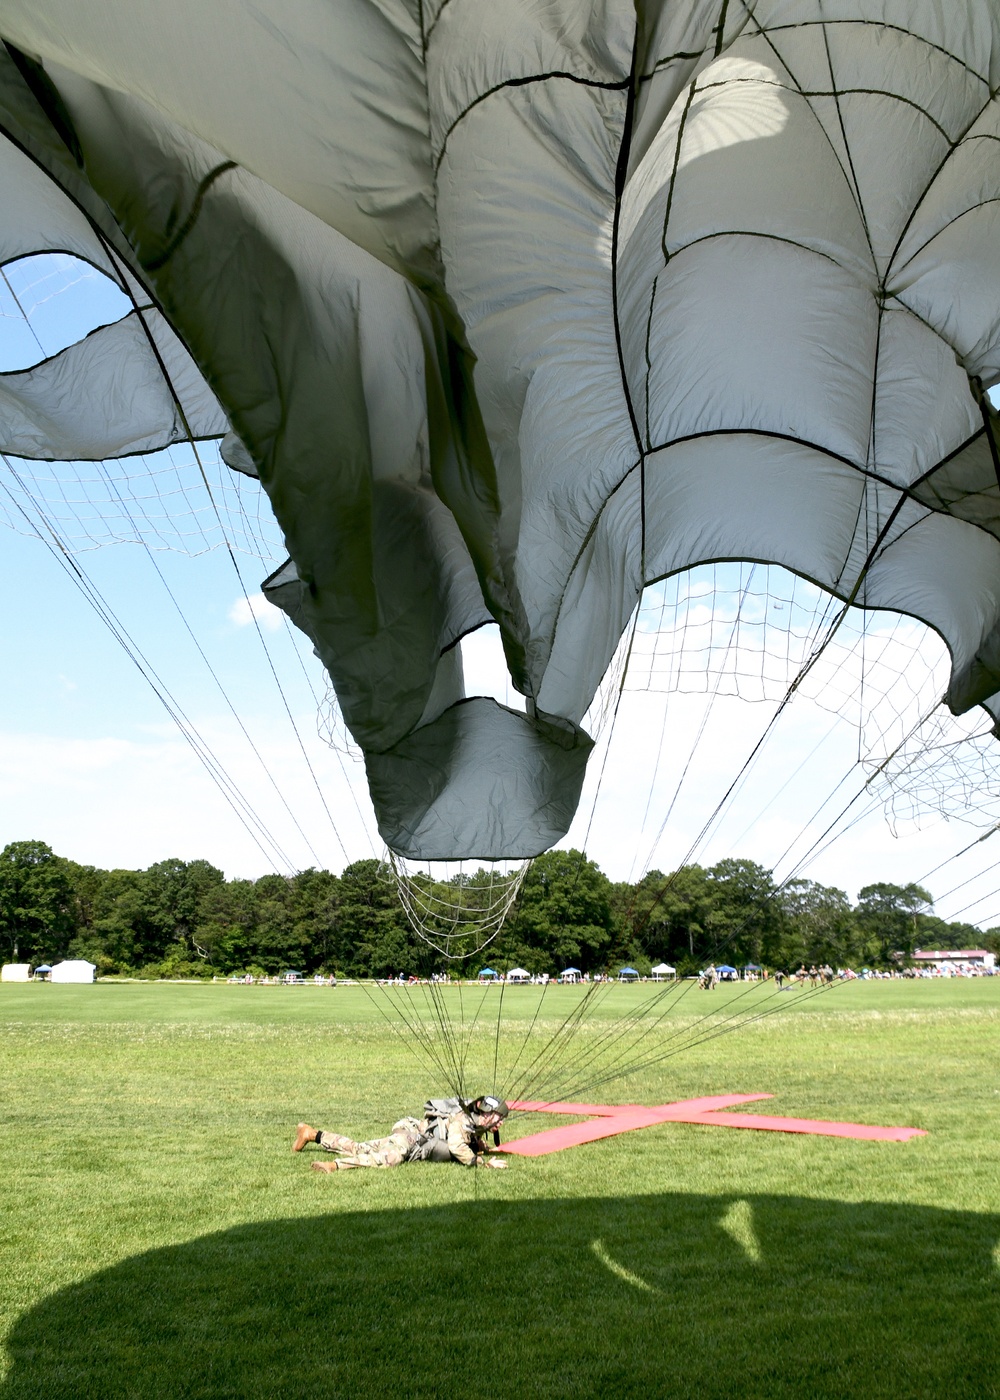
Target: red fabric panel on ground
(607, 1120)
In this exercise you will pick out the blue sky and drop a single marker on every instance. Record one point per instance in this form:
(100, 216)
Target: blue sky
(91, 763)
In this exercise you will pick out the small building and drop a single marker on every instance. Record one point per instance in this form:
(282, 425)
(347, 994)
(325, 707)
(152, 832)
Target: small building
(957, 959)
(74, 970)
(15, 972)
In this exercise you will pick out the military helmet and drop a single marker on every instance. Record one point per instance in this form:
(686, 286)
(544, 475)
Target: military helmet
(487, 1104)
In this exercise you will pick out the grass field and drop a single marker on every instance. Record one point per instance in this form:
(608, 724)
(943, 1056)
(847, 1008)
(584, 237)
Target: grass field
(159, 1238)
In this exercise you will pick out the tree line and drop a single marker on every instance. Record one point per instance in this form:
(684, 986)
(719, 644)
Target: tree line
(184, 918)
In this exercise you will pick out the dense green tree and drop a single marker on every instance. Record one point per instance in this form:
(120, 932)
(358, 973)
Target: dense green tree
(315, 906)
(226, 930)
(184, 917)
(113, 920)
(36, 902)
(820, 927)
(372, 937)
(745, 922)
(890, 916)
(279, 943)
(563, 916)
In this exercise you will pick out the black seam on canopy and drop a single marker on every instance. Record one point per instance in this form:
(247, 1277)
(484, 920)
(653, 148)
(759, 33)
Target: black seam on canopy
(56, 249)
(855, 195)
(155, 264)
(688, 55)
(953, 147)
(880, 24)
(57, 354)
(649, 364)
(901, 305)
(831, 92)
(974, 208)
(48, 97)
(754, 233)
(434, 22)
(906, 492)
(621, 175)
(114, 237)
(720, 28)
(847, 150)
(668, 205)
(619, 85)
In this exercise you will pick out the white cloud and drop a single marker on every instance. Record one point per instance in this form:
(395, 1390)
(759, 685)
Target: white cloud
(244, 610)
(129, 802)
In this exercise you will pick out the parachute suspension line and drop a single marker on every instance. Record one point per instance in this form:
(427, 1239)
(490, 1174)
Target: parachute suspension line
(450, 1035)
(219, 685)
(17, 303)
(417, 1033)
(701, 728)
(556, 1071)
(496, 1039)
(290, 633)
(791, 778)
(113, 256)
(696, 1039)
(624, 1036)
(964, 851)
(528, 1033)
(791, 690)
(243, 809)
(611, 732)
(534, 1073)
(460, 918)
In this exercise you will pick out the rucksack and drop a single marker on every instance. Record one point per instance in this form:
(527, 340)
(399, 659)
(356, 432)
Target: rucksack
(437, 1112)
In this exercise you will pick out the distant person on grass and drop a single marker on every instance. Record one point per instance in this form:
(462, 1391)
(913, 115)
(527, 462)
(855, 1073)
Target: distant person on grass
(450, 1131)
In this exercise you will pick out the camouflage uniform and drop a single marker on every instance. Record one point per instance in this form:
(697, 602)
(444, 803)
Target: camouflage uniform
(394, 1150)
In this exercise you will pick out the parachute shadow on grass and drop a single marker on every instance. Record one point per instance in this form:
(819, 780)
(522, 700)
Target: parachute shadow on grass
(666, 1294)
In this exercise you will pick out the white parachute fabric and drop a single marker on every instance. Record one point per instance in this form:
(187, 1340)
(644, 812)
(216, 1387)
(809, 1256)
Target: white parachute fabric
(516, 308)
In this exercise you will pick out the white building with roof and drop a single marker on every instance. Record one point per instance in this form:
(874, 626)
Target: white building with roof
(957, 959)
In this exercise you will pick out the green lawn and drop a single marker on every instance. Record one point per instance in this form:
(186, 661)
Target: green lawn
(160, 1239)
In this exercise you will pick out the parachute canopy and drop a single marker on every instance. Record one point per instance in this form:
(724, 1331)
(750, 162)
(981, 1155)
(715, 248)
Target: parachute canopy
(514, 309)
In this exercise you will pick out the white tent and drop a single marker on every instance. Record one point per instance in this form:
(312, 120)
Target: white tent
(663, 970)
(518, 974)
(75, 970)
(15, 972)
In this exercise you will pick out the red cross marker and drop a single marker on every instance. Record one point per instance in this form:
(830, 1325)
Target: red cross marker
(606, 1120)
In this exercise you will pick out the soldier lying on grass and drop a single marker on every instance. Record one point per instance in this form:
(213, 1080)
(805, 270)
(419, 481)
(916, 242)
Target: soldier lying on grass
(450, 1131)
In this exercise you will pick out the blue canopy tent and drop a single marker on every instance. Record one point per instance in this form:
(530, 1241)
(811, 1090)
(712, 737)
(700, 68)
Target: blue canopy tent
(569, 974)
(42, 971)
(627, 974)
(486, 974)
(726, 972)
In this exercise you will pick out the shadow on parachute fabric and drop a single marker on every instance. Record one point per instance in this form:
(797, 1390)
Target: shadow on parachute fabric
(666, 1294)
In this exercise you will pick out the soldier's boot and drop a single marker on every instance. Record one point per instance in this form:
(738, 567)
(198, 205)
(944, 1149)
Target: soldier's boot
(326, 1166)
(304, 1136)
